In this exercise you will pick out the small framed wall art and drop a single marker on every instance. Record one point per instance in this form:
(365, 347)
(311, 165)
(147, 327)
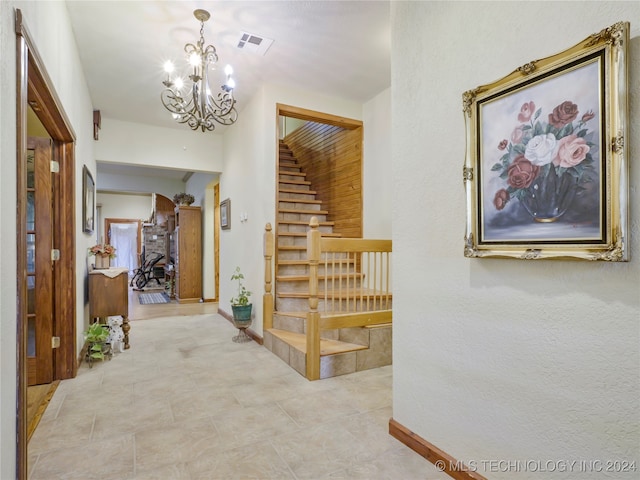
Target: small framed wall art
(225, 214)
(88, 201)
(546, 166)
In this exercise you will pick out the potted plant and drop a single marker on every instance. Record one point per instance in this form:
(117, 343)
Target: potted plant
(96, 338)
(241, 308)
(183, 199)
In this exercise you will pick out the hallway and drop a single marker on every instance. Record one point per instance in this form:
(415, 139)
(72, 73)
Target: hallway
(185, 402)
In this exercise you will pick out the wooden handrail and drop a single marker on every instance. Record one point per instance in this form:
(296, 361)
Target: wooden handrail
(357, 287)
(267, 298)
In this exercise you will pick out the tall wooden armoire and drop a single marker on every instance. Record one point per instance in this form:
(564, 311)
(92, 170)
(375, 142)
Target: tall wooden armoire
(188, 266)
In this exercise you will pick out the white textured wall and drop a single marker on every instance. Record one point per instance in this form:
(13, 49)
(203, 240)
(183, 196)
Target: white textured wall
(146, 145)
(248, 179)
(502, 359)
(121, 205)
(49, 27)
(376, 166)
(138, 184)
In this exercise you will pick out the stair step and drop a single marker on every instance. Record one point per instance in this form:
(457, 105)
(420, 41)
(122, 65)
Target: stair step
(327, 347)
(303, 212)
(292, 247)
(303, 234)
(300, 200)
(305, 278)
(292, 314)
(297, 191)
(302, 222)
(292, 174)
(297, 168)
(294, 182)
(306, 262)
(340, 295)
(293, 262)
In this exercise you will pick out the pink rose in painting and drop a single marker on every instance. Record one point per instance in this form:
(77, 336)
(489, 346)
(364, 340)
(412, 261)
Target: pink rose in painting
(571, 151)
(563, 114)
(522, 173)
(526, 112)
(503, 144)
(516, 135)
(501, 199)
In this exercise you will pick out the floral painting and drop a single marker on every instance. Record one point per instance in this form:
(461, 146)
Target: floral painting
(546, 169)
(540, 160)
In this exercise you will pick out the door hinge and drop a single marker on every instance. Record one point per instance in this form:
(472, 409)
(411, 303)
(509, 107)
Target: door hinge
(55, 167)
(55, 342)
(55, 254)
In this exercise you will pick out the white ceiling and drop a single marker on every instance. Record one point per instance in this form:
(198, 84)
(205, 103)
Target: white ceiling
(337, 48)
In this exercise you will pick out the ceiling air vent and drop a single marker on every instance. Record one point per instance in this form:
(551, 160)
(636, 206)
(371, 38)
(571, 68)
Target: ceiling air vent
(254, 43)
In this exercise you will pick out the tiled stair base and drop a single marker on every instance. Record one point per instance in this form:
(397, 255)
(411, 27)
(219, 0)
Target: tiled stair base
(338, 357)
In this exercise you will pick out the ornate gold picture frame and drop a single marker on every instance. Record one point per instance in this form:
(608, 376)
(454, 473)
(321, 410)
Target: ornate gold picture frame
(546, 166)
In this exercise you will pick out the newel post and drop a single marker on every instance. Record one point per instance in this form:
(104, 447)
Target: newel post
(313, 316)
(267, 298)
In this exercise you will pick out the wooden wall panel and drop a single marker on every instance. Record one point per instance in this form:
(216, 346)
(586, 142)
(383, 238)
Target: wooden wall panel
(331, 156)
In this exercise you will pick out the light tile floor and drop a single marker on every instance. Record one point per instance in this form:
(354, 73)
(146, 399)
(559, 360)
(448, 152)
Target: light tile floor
(185, 402)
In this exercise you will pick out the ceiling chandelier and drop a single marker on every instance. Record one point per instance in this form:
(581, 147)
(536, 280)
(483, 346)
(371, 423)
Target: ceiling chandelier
(197, 107)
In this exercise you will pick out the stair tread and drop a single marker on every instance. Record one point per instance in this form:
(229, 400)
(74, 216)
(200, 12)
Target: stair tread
(287, 263)
(337, 295)
(291, 247)
(327, 347)
(300, 314)
(293, 190)
(304, 234)
(294, 182)
(309, 201)
(292, 174)
(302, 211)
(303, 222)
(298, 278)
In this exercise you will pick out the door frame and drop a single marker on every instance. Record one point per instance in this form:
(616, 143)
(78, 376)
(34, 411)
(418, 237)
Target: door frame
(34, 87)
(107, 232)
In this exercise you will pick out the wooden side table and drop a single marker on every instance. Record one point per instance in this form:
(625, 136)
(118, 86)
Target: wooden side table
(109, 296)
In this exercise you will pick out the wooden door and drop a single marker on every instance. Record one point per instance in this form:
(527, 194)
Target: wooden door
(39, 244)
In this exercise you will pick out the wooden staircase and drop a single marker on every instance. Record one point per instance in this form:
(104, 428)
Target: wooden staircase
(344, 350)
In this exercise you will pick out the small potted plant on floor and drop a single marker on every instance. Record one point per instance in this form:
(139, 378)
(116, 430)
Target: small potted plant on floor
(241, 308)
(97, 346)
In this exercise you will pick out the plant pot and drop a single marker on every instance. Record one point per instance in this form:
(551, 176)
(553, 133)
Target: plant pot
(242, 321)
(105, 351)
(241, 313)
(102, 262)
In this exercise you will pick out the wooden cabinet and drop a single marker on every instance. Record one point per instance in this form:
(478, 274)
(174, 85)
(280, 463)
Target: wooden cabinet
(109, 296)
(188, 260)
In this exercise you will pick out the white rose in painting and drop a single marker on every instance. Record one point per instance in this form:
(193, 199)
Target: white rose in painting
(540, 149)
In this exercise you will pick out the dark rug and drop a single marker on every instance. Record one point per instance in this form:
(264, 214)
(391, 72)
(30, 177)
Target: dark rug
(149, 298)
